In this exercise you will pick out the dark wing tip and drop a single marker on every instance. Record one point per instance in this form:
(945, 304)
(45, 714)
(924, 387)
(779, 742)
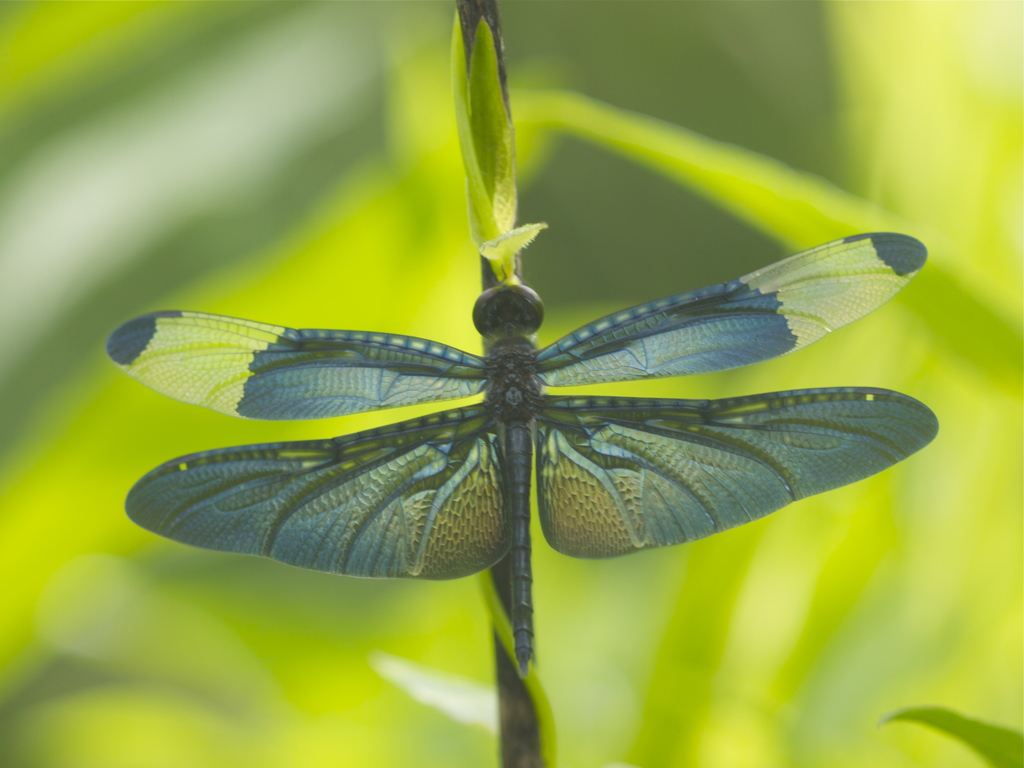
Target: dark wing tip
(128, 342)
(903, 254)
(922, 424)
(928, 422)
(138, 505)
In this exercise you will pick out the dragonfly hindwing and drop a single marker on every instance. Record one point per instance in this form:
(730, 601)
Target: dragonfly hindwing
(420, 499)
(620, 474)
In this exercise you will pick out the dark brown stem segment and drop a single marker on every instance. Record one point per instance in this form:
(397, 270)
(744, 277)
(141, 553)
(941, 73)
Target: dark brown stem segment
(520, 733)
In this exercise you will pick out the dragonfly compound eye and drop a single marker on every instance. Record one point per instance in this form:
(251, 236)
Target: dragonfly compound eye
(508, 310)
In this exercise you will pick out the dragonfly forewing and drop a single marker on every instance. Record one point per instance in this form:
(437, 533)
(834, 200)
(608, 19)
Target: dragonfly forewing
(768, 313)
(259, 371)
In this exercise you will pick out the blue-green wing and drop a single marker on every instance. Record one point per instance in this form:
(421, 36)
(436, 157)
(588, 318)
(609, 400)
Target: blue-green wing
(418, 499)
(616, 475)
(768, 313)
(259, 371)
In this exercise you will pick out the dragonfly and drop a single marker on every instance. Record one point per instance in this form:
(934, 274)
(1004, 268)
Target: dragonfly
(448, 495)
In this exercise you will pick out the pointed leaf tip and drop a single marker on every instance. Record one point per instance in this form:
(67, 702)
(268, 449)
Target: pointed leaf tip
(1001, 747)
(502, 250)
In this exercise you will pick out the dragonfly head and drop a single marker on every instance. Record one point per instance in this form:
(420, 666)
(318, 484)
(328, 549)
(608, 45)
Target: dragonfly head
(508, 310)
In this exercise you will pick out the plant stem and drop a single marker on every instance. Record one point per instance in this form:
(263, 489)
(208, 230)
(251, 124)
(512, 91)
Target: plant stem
(519, 729)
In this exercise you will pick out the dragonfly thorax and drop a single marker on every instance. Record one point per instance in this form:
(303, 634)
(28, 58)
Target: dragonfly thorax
(508, 316)
(514, 392)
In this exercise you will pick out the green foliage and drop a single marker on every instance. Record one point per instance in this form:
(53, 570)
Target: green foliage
(298, 164)
(485, 134)
(798, 209)
(1002, 747)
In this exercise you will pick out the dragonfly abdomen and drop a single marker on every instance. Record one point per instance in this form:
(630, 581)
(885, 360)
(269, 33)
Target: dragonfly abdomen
(518, 461)
(514, 398)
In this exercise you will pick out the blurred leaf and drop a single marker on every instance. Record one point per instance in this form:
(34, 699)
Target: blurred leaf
(150, 196)
(799, 209)
(1002, 747)
(966, 326)
(680, 696)
(463, 700)
(485, 135)
(843, 577)
(46, 47)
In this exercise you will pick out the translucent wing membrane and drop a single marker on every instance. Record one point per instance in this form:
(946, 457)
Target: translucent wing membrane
(420, 499)
(620, 474)
(767, 313)
(257, 371)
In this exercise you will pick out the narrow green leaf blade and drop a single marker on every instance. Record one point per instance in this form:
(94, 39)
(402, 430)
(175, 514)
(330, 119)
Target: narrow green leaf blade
(798, 209)
(485, 135)
(491, 127)
(1001, 747)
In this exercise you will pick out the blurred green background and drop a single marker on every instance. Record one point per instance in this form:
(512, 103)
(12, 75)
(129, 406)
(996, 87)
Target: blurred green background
(297, 164)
